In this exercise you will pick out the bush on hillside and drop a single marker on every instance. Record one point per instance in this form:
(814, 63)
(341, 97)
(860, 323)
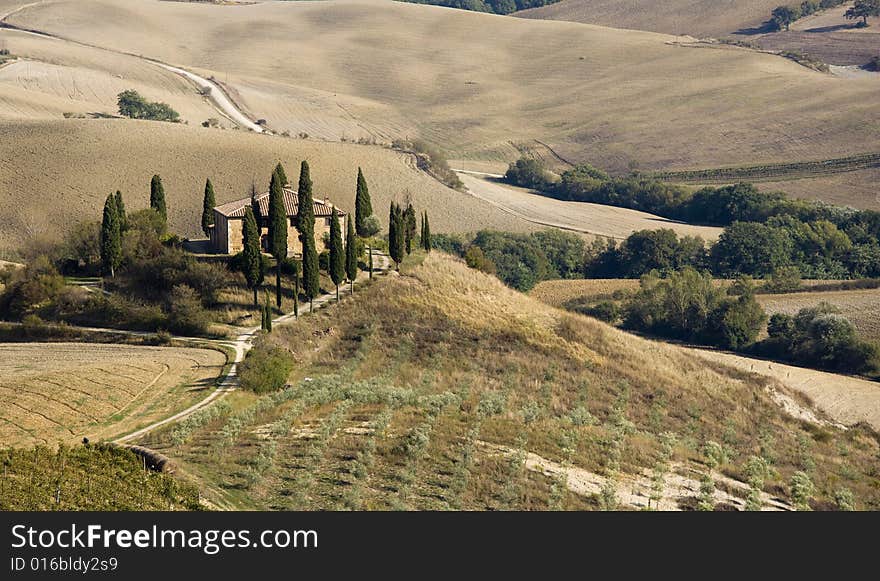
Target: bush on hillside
(265, 369)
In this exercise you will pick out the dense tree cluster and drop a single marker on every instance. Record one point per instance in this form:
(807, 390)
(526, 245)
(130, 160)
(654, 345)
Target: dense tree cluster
(687, 305)
(764, 231)
(491, 6)
(519, 260)
(133, 105)
(820, 337)
(783, 16)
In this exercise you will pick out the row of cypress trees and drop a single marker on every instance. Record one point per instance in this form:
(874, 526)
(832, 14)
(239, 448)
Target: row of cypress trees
(402, 232)
(343, 258)
(114, 223)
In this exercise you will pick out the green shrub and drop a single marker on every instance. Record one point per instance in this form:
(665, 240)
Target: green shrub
(265, 369)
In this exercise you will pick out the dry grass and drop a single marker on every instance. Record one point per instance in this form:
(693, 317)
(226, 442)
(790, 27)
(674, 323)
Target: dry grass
(558, 293)
(76, 163)
(857, 189)
(359, 430)
(61, 392)
(620, 99)
(694, 17)
(583, 217)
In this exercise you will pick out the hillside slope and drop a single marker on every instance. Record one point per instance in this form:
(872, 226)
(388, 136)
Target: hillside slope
(441, 388)
(363, 68)
(57, 173)
(693, 17)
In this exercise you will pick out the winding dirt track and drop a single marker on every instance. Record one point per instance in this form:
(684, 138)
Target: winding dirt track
(242, 344)
(214, 92)
(583, 217)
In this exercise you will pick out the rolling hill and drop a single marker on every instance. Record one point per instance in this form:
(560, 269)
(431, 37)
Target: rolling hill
(443, 389)
(378, 70)
(75, 163)
(693, 17)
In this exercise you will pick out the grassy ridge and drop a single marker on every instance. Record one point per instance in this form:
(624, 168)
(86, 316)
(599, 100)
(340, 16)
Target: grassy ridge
(446, 390)
(771, 171)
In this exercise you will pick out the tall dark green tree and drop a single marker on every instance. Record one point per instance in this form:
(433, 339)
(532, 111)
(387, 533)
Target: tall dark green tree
(409, 227)
(277, 229)
(351, 259)
(305, 223)
(111, 237)
(267, 309)
(157, 197)
(337, 252)
(279, 169)
(396, 234)
(208, 203)
(363, 207)
(426, 233)
(120, 212)
(253, 259)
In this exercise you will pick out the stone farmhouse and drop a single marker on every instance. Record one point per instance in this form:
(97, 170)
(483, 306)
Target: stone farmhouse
(226, 235)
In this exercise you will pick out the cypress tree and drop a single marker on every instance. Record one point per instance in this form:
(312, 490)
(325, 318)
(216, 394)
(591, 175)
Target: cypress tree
(120, 212)
(255, 206)
(396, 234)
(337, 252)
(277, 229)
(392, 231)
(267, 309)
(157, 197)
(351, 262)
(111, 238)
(305, 223)
(253, 259)
(409, 227)
(426, 233)
(263, 318)
(279, 169)
(363, 207)
(208, 204)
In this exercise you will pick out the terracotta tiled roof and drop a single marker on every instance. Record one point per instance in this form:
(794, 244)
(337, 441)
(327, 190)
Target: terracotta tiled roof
(236, 209)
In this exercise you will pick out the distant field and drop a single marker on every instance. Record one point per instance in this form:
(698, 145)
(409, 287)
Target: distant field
(829, 37)
(620, 99)
(694, 17)
(56, 77)
(862, 307)
(76, 163)
(583, 217)
(62, 392)
(857, 189)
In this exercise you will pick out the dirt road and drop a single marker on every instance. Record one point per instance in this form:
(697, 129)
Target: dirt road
(242, 344)
(586, 218)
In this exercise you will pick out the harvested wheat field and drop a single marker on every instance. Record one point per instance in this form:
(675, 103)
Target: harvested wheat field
(55, 78)
(62, 392)
(856, 188)
(694, 17)
(847, 400)
(559, 293)
(583, 217)
(76, 163)
(363, 68)
(861, 307)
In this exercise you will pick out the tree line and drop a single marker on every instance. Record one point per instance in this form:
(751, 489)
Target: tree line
(133, 105)
(763, 231)
(490, 6)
